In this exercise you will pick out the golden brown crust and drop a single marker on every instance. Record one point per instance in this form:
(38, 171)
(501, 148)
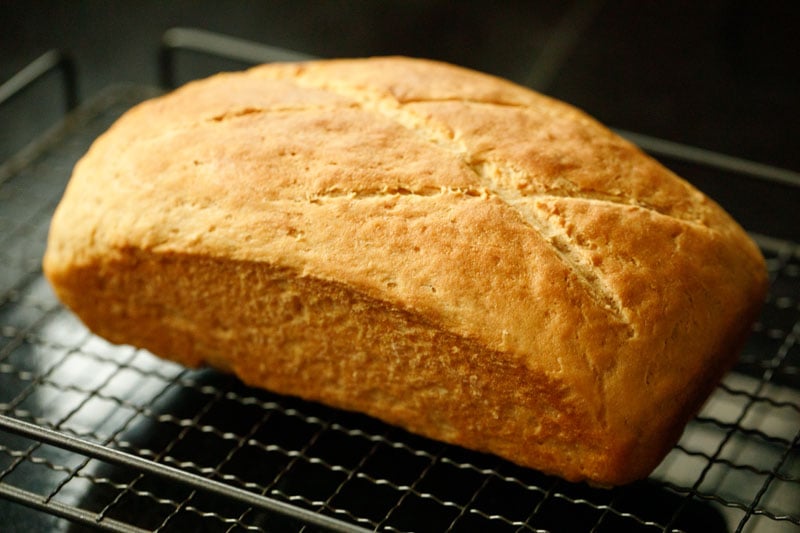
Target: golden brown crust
(351, 223)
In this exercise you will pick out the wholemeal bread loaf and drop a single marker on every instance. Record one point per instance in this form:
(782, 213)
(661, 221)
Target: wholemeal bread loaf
(435, 247)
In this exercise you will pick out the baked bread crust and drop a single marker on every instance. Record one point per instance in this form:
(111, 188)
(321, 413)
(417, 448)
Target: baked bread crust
(436, 247)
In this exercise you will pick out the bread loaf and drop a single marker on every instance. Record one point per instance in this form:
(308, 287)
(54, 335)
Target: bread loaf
(435, 247)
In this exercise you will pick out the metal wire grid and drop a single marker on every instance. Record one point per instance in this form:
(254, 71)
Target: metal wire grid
(116, 438)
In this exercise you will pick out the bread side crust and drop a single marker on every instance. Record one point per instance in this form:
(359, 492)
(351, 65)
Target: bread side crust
(324, 342)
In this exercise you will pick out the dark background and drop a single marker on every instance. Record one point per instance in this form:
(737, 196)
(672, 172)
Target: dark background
(719, 74)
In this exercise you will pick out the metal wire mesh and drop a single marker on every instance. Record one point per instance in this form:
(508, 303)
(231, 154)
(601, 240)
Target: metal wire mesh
(113, 437)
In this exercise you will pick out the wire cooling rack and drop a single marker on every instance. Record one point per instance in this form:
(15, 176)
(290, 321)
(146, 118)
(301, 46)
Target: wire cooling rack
(114, 438)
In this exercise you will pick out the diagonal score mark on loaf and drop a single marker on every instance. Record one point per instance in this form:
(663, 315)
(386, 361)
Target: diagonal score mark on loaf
(495, 179)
